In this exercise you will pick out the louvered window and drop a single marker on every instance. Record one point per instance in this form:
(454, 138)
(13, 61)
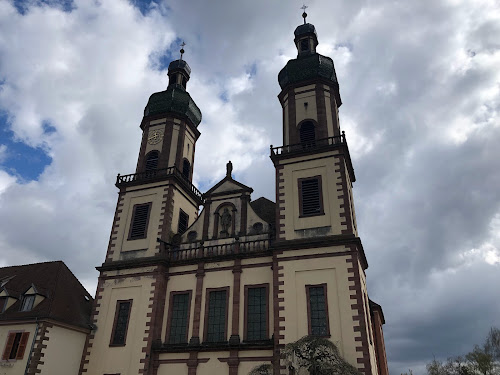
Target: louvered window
(183, 222)
(317, 310)
(310, 196)
(307, 135)
(216, 317)
(140, 218)
(179, 315)
(152, 161)
(120, 327)
(186, 169)
(256, 313)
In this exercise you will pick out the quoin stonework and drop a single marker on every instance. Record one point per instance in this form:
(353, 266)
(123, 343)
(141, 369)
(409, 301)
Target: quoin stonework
(223, 290)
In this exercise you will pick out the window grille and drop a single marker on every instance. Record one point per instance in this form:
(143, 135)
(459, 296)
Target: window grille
(318, 319)
(121, 322)
(256, 314)
(216, 320)
(179, 318)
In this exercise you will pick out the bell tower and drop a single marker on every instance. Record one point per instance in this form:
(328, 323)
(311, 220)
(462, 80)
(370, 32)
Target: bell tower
(156, 205)
(314, 169)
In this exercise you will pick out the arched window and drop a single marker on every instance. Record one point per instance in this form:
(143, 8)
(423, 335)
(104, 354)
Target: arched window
(307, 134)
(152, 161)
(186, 169)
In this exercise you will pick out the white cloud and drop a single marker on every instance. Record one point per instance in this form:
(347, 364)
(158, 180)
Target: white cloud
(419, 83)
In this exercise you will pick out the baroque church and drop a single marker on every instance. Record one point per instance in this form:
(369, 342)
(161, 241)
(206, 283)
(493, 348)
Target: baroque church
(223, 290)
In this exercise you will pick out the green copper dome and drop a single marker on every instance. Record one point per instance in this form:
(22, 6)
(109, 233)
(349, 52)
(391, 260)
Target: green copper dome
(174, 99)
(305, 68)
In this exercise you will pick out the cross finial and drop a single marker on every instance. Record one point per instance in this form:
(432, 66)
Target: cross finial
(304, 15)
(182, 48)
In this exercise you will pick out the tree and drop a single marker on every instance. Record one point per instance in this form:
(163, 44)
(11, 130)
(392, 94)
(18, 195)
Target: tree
(318, 356)
(264, 369)
(492, 344)
(480, 361)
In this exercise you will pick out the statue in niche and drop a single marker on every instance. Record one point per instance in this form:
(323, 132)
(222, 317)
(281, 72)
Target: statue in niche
(225, 222)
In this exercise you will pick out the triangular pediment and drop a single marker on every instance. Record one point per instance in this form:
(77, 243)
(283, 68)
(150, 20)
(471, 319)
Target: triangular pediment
(4, 293)
(31, 290)
(227, 186)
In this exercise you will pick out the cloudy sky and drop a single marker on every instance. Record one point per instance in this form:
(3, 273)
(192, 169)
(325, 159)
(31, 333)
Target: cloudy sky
(420, 83)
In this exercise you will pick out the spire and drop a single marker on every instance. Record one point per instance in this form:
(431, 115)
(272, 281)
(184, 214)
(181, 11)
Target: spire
(182, 49)
(304, 15)
(179, 70)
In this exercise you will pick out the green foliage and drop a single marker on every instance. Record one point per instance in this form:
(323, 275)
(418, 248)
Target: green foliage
(318, 356)
(482, 360)
(264, 369)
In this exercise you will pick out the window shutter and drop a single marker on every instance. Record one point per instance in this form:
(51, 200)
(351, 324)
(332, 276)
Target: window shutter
(8, 347)
(22, 345)
(139, 221)
(310, 193)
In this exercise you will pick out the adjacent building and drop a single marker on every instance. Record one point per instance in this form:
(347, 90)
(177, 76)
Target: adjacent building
(44, 319)
(223, 290)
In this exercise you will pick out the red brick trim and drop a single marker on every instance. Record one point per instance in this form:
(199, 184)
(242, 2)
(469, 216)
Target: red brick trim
(166, 215)
(245, 320)
(93, 319)
(358, 307)
(207, 302)
(170, 307)
(276, 313)
(200, 274)
(114, 227)
(206, 220)
(235, 321)
(344, 196)
(37, 353)
(153, 327)
(115, 320)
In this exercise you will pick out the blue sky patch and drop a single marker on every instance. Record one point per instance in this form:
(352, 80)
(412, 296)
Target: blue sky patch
(23, 6)
(21, 160)
(161, 61)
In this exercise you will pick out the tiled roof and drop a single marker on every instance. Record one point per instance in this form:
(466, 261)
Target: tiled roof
(265, 209)
(66, 300)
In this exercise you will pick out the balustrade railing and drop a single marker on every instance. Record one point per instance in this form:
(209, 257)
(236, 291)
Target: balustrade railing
(308, 146)
(122, 180)
(211, 251)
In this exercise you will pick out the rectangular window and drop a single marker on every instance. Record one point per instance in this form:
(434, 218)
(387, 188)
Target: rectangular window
(317, 310)
(216, 315)
(183, 222)
(256, 312)
(27, 302)
(15, 345)
(310, 196)
(120, 325)
(139, 223)
(179, 308)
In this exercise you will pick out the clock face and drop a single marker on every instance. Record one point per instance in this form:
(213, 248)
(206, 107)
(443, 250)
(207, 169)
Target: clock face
(155, 137)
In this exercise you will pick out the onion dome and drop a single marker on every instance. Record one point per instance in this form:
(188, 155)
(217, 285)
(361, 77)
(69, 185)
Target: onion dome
(309, 65)
(175, 99)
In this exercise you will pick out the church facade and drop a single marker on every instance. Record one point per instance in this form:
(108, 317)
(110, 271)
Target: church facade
(223, 290)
